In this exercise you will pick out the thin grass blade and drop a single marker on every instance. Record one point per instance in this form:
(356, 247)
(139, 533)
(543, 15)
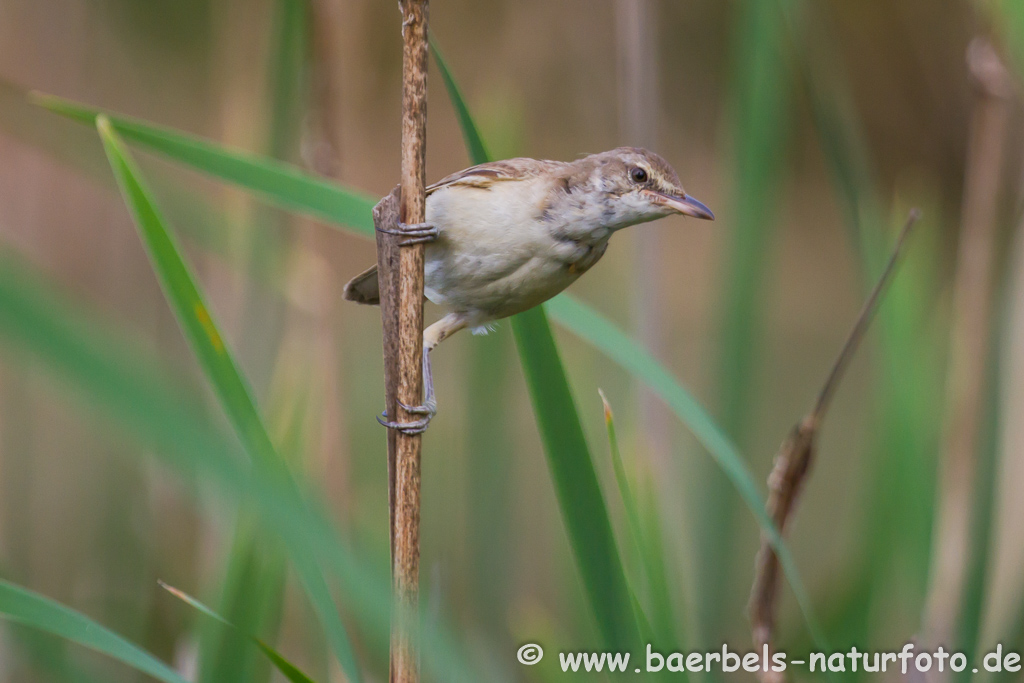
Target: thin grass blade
(283, 184)
(287, 669)
(622, 479)
(215, 358)
(31, 609)
(252, 592)
(470, 134)
(576, 485)
(644, 543)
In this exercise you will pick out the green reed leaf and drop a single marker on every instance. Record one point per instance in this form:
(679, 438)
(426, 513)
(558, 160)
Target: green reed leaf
(31, 609)
(576, 485)
(283, 184)
(204, 337)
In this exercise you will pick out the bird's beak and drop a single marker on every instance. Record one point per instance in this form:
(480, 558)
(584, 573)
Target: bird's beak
(686, 205)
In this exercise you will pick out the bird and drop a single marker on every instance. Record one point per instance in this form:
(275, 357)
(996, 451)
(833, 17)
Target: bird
(504, 236)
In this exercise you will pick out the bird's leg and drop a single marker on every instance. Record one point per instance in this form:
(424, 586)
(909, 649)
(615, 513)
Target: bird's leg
(415, 233)
(432, 336)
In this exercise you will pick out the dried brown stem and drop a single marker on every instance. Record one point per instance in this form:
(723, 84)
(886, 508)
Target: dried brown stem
(795, 455)
(401, 278)
(867, 312)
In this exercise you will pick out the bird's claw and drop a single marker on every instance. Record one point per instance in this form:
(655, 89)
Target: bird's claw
(415, 233)
(409, 428)
(428, 410)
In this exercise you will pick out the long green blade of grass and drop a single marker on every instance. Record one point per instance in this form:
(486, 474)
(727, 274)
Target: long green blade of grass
(79, 149)
(31, 609)
(278, 182)
(625, 351)
(112, 376)
(287, 669)
(214, 357)
(252, 593)
(622, 479)
(470, 133)
(572, 469)
(646, 542)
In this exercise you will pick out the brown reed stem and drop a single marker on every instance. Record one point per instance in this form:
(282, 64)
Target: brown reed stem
(401, 283)
(795, 455)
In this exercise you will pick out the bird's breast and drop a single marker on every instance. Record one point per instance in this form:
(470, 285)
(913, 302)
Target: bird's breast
(498, 252)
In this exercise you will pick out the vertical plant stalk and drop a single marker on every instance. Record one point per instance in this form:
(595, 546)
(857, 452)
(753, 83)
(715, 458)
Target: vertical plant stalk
(401, 273)
(793, 461)
(969, 338)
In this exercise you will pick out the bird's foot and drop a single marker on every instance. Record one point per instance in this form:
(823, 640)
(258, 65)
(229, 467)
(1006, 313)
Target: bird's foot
(428, 410)
(414, 233)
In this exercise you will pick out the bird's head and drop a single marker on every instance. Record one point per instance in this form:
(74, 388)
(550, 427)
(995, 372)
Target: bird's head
(643, 187)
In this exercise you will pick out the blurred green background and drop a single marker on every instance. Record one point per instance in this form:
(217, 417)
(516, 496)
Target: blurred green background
(809, 127)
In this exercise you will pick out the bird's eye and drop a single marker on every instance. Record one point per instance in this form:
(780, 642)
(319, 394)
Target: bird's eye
(638, 175)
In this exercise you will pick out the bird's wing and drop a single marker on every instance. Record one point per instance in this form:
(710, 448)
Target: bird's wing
(486, 175)
(365, 287)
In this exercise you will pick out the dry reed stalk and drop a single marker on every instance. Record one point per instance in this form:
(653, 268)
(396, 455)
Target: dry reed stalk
(401, 285)
(969, 337)
(794, 458)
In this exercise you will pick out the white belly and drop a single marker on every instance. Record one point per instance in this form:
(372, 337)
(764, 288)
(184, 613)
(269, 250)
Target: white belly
(495, 255)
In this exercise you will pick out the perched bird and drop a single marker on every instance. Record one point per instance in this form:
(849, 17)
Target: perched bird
(505, 236)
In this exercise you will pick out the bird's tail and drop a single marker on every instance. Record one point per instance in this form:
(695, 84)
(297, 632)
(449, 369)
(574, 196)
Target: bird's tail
(364, 288)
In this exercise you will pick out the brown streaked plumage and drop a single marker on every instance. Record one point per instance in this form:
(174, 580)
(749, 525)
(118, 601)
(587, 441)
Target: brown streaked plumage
(512, 234)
